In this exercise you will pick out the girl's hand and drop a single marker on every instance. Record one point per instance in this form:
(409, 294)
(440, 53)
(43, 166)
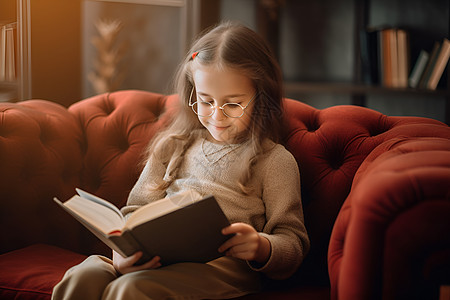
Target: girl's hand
(125, 265)
(246, 244)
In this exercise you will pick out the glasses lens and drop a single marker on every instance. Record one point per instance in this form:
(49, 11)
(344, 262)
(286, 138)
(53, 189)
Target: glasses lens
(233, 110)
(203, 109)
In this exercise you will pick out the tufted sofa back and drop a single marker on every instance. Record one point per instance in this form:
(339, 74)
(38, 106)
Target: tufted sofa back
(329, 146)
(97, 144)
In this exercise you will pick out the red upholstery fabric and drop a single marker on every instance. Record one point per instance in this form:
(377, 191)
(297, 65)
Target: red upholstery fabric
(399, 210)
(31, 273)
(330, 145)
(384, 178)
(117, 127)
(40, 158)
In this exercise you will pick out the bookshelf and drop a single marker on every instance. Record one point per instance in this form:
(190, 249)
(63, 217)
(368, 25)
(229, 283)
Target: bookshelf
(319, 47)
(8, 86)
(47, 50)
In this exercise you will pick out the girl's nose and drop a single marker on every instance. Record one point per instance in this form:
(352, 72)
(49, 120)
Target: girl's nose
(218, 114)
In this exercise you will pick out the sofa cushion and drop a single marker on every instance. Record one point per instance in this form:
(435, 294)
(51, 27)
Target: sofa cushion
(31, 272)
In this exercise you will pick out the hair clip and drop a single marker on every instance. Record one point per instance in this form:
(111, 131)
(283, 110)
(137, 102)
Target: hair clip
(194, 54)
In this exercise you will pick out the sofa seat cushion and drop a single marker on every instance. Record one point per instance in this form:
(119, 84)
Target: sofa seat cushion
(31, 272)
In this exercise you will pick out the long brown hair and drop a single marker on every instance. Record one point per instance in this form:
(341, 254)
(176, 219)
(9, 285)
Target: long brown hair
(229, 45)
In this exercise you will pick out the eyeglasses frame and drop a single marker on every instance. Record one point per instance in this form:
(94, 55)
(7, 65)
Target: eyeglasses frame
(219, 107)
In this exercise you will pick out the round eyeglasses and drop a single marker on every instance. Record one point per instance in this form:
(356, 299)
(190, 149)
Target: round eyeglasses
(206, 109)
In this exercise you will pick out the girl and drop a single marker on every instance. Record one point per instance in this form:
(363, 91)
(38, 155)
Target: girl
(222, 142)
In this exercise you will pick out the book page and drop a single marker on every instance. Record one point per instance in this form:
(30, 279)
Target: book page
(96, 214)
(162, 207)
(99, 200)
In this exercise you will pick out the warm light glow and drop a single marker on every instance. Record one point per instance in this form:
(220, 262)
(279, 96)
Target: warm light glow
(178, 3)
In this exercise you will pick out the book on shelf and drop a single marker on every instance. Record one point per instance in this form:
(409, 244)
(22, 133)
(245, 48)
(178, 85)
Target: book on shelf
(2, 52)
(430, 65)
(439, 65)
(391, 63)
(385, 56)
(385, 59)
(369, 55)
(402, 58)
(394, 47)
(418, 69)
(8, 33)
(181, 228)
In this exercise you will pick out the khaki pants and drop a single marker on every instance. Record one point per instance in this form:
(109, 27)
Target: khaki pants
(96, 278)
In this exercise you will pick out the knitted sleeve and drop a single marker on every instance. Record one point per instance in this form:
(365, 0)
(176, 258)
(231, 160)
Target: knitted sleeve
(143, 191)
(284, 226)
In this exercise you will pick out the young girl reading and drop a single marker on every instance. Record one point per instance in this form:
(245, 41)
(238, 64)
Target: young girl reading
(223, 141)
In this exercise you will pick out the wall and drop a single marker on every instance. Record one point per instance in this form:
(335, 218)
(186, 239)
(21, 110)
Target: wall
(154, 37)
(55, 50)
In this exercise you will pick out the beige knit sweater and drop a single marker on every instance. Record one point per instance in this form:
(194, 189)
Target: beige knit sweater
(274, 210)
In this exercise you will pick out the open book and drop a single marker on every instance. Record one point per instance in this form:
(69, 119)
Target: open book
(181, 228)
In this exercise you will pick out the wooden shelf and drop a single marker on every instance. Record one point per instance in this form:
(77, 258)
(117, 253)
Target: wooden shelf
(8, 91)
(8, 85)
(355, 89)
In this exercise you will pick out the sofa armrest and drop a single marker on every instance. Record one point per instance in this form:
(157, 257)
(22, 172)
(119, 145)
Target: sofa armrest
(391, 238)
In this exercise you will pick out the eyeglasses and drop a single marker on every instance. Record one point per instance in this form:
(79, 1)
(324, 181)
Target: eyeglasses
(206, 109)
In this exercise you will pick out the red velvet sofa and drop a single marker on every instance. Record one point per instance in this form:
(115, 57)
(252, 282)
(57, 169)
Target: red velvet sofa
(375, 190)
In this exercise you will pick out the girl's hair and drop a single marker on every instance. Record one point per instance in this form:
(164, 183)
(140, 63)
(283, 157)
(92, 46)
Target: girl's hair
(228, 45)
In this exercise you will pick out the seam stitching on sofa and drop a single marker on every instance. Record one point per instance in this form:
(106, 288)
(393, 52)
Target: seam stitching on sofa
(25, 290)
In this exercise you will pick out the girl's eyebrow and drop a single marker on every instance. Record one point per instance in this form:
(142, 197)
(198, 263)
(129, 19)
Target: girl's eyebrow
(228, 96)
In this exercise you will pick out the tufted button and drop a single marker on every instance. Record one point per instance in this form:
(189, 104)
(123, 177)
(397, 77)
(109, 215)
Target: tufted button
(335, 159)
(122, 143)
(45, 134)
(380, 127)
(108, 106)
(312, 124)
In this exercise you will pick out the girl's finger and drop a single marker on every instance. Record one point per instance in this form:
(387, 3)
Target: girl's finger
(151, 264)
(238, 228)
(131, 260)
(232, 242)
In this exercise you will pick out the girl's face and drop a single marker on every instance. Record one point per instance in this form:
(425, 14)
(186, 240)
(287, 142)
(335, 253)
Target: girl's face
(219, 86)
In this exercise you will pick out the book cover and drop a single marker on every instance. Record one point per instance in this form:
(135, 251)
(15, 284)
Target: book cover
(370, 55)
(10, 52)
(402, 57)
(388, 50)
(2, 52)
(440, 64)
(418, 68)
(393, 49)
(381, 57)
(423, 82)
(178, 229)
